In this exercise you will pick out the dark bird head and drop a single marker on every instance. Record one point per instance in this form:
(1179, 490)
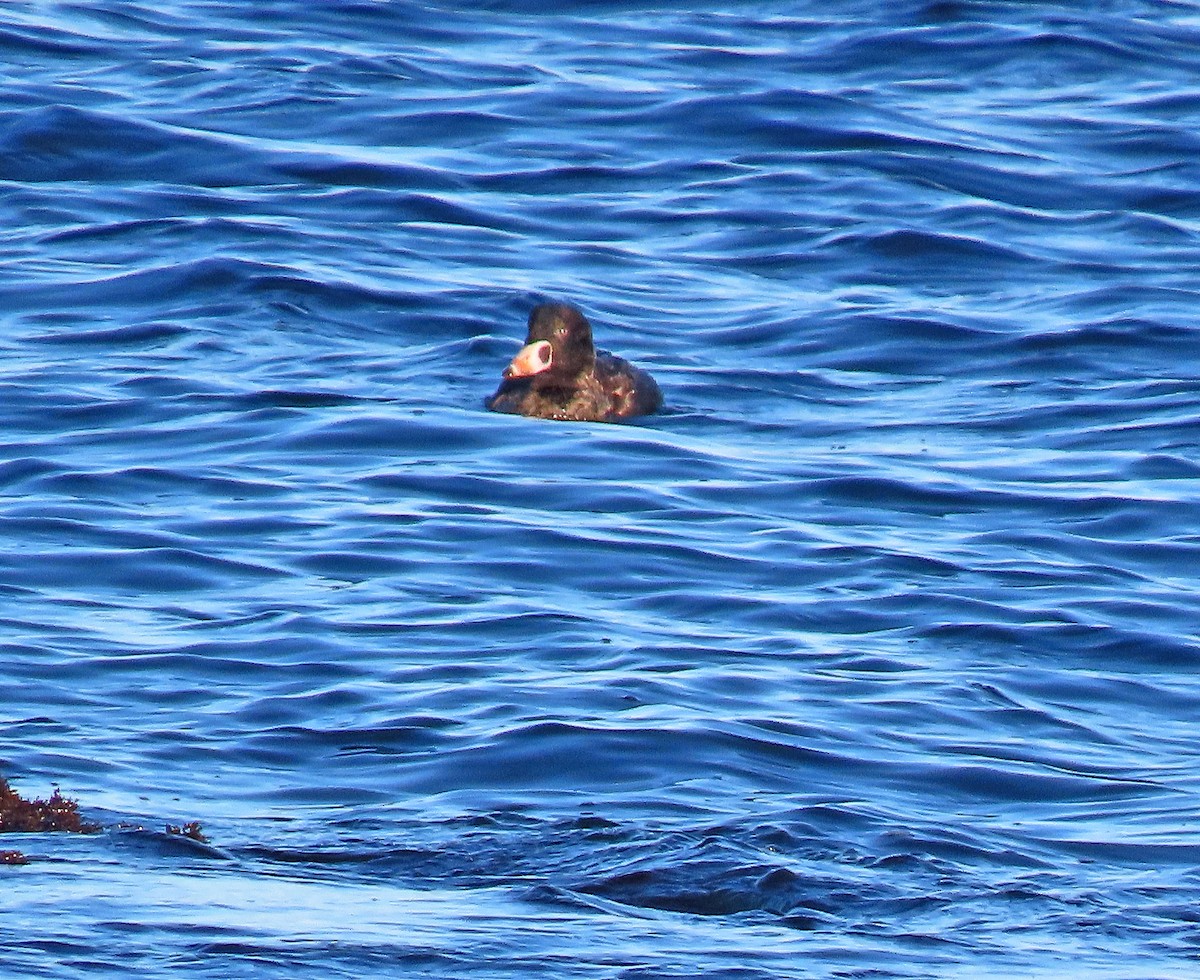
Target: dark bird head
(557, 345)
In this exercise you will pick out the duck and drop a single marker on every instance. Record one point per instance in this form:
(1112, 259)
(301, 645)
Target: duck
(559, 374)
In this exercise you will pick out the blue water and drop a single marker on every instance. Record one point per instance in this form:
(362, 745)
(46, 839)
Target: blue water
(874, 654)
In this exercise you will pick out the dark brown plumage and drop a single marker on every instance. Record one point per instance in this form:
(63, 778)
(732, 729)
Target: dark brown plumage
(559, 374)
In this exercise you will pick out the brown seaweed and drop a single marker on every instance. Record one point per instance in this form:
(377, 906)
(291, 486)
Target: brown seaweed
(190, 830)
(18, 815)
(59, 813)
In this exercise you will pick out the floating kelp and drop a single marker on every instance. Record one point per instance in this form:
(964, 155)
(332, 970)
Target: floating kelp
(192, 831)
(59, 813)
(18, 815)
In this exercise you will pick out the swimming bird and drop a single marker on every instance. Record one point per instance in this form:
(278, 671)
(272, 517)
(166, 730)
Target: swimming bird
(559, 374)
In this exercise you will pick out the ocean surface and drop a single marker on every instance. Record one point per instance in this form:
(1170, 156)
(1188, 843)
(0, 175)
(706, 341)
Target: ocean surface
(875, 654)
